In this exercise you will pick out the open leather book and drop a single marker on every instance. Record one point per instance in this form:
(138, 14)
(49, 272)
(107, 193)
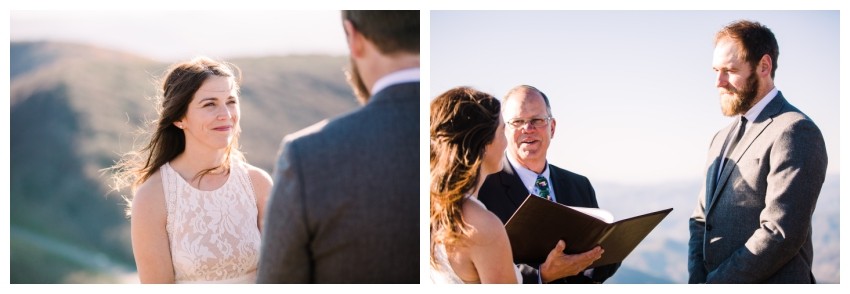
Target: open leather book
(538, 224)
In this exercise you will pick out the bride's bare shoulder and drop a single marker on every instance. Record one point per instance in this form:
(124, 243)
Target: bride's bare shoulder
(487, 226)
(149, 197)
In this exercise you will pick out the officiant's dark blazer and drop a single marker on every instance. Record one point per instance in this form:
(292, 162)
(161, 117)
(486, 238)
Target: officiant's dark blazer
(503, 192)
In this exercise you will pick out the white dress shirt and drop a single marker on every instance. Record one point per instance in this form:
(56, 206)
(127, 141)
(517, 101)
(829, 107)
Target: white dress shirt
(529, 177)
(397, 77)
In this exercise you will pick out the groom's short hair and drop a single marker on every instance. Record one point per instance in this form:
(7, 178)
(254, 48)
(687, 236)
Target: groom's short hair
(754, 41)
(392, 31)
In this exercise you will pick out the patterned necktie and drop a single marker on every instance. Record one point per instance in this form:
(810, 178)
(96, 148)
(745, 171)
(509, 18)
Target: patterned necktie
(542, 187)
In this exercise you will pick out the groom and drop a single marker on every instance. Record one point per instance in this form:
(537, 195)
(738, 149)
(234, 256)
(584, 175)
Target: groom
(344, 207)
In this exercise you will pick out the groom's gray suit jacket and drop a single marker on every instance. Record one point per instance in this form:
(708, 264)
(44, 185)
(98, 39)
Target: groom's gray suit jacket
(345, 204)
(753, 223)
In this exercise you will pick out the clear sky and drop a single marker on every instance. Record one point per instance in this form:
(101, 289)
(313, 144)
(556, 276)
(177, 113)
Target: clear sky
(178, 34)
(632, 91)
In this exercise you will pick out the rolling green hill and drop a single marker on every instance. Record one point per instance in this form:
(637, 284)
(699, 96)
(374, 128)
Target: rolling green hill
(75, 108)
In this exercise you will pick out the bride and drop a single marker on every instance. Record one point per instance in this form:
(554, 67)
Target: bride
(197, 205)
(468, 243)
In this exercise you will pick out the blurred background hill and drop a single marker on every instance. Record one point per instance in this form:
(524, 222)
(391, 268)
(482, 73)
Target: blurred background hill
(75, 108)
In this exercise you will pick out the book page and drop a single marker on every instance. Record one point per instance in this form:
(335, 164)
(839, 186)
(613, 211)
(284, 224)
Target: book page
(598, 213)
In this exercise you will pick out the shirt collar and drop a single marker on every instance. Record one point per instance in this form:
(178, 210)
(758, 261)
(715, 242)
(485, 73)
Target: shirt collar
(396, 77)
(528, 176)
(754, 111)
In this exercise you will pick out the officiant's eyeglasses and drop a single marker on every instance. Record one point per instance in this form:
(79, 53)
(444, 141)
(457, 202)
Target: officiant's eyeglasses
(533, 122)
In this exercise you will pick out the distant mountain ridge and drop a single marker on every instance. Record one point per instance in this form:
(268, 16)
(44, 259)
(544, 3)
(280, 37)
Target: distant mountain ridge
(75, 109)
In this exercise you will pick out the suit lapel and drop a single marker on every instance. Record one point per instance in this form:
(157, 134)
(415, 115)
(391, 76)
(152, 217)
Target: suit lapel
(512, 183)
(762, 121)
(558, 185)
(713, 173)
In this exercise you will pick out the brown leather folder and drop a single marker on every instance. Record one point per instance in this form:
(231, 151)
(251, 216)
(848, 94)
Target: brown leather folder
(538, 224)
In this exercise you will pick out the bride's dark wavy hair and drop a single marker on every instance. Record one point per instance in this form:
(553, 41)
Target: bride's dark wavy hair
(463, 122)
(167, 141)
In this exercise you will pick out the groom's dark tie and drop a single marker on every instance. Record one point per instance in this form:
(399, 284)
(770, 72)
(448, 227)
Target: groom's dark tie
(735, 137)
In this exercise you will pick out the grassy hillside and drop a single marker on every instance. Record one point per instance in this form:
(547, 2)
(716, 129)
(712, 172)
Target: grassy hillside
(75, 108)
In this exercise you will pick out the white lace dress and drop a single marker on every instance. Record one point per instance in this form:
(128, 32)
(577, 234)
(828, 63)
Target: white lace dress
(213, 235)
(443, 273)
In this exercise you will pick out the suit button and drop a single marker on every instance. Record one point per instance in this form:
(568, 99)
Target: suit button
(708, 227)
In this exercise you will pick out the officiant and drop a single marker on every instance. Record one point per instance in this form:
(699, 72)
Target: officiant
(530, 128)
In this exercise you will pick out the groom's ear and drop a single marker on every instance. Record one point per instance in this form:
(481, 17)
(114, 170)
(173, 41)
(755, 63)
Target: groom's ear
(356, 40)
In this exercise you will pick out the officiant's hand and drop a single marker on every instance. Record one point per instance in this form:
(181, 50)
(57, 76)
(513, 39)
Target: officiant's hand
(559, 265)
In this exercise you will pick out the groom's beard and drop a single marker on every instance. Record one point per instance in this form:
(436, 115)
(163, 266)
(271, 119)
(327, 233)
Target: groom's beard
(356, 82)
(742, 98)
